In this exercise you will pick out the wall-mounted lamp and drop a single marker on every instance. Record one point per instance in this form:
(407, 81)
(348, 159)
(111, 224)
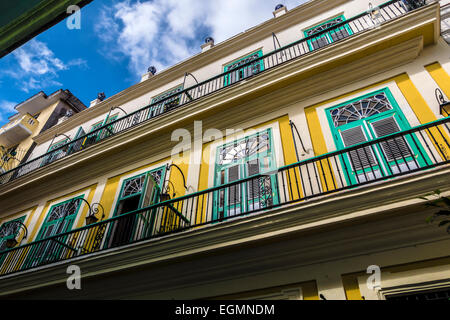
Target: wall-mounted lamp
(114, 108)
(165, 195)
(64, 135)
(444, 105)
(94, 210)
(15, 227)
(182, 174)
(59, 135)
(168, 192)
(187, 74)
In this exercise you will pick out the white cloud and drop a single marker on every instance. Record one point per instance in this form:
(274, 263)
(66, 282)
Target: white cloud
(38, 67)
(36, 58)
(7, 106)
(164, 32)
(6, 109)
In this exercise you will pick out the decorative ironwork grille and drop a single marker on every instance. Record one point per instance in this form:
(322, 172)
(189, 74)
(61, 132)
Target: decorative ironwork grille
(157, 176)
(360, 109)
(167, 102)
(244, 148)
(64, 210)
(9, 229)
(236, 65)
(324, 26)
(133, 186)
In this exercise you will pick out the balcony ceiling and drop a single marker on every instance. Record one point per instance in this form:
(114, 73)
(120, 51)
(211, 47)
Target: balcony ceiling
(13, 135)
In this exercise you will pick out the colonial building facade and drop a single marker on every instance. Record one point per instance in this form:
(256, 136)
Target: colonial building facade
(292, 161)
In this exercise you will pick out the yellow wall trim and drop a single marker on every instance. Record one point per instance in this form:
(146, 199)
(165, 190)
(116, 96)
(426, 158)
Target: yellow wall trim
(440, 76)
(418, 104)
(351, 287)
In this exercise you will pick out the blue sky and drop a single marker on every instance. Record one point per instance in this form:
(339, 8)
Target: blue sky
(118, 41)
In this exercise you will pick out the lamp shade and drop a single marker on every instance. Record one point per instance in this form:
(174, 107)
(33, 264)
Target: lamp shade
(11, 243)
(91, 220)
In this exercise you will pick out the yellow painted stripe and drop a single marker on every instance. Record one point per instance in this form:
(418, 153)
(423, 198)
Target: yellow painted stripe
(320, 147)
(293, 177)
(415, 99)
(28, 221)
(440, 76)
(310, 291)
(203, 183)
(169, 217)
(351, 287)
(423, 112)
(109, 193)
(287, 141)
(175, 176)
(315, 131)
(82, 220)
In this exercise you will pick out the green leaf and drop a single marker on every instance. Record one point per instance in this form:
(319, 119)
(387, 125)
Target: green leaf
(438, 192)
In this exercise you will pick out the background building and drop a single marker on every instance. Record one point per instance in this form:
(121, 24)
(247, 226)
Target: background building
(340, 127)
(34, 116)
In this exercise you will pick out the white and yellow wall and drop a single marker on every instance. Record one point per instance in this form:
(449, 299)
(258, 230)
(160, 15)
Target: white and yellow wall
(412, 84)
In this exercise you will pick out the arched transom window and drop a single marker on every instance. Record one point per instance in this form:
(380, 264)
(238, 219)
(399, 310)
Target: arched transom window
(360, 109)
(64, 210)
(244, 148)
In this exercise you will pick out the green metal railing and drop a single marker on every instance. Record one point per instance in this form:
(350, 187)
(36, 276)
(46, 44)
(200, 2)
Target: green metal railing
(363, 22)
(403, 153)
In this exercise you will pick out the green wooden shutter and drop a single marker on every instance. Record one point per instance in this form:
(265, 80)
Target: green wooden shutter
(253, 185)
(393, 149)
(361, 158)
(234, 191)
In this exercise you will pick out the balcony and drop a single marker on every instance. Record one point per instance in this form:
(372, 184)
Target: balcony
(15, 132)
(243, 72)
(406, 153)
